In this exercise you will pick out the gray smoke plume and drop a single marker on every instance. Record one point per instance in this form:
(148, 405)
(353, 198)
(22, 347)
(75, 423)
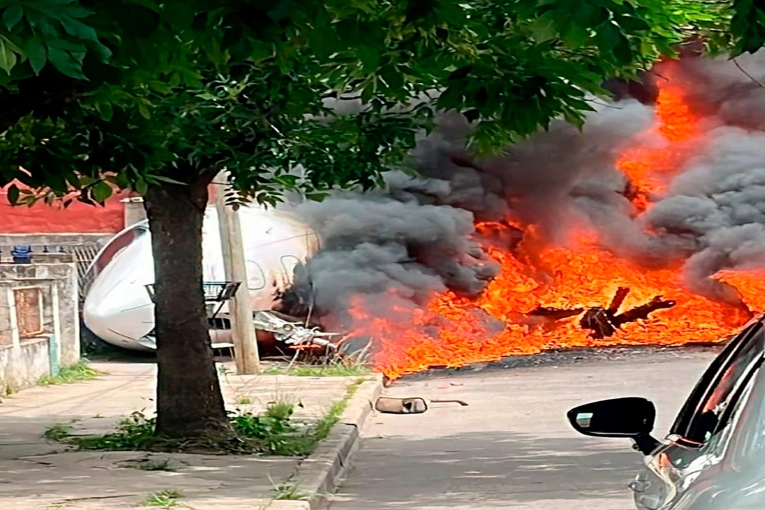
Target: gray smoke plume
(417, 236)
(389, 241)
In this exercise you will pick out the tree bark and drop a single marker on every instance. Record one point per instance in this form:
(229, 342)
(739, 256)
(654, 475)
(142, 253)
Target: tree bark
(189, 399)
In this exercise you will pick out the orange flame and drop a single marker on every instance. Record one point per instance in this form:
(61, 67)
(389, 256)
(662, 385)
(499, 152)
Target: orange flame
(453, 331)
(648, 167)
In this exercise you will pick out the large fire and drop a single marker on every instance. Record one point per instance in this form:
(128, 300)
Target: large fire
(454, 331)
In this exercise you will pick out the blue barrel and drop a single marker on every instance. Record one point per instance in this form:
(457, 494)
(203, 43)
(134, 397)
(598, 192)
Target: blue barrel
(21, 254)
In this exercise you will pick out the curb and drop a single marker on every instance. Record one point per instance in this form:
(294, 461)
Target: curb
(320, 474)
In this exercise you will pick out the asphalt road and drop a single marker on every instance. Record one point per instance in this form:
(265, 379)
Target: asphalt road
(512, 447)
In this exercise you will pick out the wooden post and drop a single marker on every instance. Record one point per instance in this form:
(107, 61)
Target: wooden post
(240, 307)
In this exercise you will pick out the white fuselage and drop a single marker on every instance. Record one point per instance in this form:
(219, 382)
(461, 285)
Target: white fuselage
(118, 307)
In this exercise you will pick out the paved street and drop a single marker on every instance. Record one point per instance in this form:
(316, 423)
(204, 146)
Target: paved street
(512, 447)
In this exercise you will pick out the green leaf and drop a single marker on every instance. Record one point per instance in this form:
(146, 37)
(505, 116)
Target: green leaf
(633, 23)
(161, 87)
(179, 14)
(12, 16)
(78, 29)
(611, 39)
(72, 178)
(101, 191)
(8, 58)
(418, 9)
(261, 51)
(575, 35)
(141, 186)
(13, 194)
(36, 53)
(144, 111)
(168, 180)
(461, 73)
(316, 197)
(105, 110)
(450, 99)
(369, 56)
(623, 51)
(588, 15)
(65, 63)
(543, 29)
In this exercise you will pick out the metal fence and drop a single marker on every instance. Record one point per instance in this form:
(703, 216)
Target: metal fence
(82, 255)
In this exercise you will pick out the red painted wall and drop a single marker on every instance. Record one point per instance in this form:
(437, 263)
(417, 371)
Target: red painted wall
(78, 218)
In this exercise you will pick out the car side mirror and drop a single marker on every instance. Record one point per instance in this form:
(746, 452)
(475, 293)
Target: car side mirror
(629, 417)
(392, 405)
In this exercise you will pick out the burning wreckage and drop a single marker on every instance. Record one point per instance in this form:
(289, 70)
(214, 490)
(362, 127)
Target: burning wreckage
(647, 227)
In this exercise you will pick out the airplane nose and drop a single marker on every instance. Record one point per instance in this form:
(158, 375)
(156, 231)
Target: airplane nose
(121, 315)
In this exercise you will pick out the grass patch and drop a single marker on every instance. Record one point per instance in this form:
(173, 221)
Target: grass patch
(58, 432)
(289, 492)
(244, 400)
(153, 465)
(273, 432)
(80, 371)
(167, 498)
(338, 368)
(335, 412)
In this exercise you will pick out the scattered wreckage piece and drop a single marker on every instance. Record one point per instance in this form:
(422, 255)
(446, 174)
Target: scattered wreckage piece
(410, 405)
(602, 321)
(292, 333)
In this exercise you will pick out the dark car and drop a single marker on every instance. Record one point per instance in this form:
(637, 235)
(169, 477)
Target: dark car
(714, 456)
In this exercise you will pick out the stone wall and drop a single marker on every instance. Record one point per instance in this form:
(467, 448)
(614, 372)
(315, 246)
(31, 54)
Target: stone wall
(39, 322)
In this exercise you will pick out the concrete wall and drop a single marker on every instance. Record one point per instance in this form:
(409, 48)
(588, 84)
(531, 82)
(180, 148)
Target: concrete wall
(39, 322)
(54, 242)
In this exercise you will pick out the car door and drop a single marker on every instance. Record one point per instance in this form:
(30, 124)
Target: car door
(701, 431)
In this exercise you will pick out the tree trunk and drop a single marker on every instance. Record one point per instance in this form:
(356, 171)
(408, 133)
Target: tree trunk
(189, 399)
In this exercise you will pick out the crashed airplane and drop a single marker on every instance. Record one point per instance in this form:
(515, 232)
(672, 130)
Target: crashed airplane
(118, 305)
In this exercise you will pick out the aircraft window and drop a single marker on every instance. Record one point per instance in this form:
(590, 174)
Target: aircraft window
(256, 278)
(116, 245)
(289, 263)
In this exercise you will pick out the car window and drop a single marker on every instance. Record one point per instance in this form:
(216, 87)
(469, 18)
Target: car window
(707, 410)
(750, 436)
(688, 410)
(727, 427)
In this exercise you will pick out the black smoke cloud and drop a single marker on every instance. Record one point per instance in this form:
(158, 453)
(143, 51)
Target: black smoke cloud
(398, 245)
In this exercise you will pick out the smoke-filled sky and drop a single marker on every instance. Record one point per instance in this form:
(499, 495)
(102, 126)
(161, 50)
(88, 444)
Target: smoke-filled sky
(414, 238)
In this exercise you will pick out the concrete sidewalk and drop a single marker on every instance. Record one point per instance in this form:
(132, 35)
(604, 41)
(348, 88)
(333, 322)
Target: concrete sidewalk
(39, 474)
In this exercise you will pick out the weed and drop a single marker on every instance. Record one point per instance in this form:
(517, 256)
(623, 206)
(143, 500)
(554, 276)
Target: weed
(273, 432)
(280, 410)
(289, 492)
(324, 426)
(167, 498)
(58, 432)
(80, 371)
(334, 368)
(153, 465)
(135, 432)
(244, 400)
